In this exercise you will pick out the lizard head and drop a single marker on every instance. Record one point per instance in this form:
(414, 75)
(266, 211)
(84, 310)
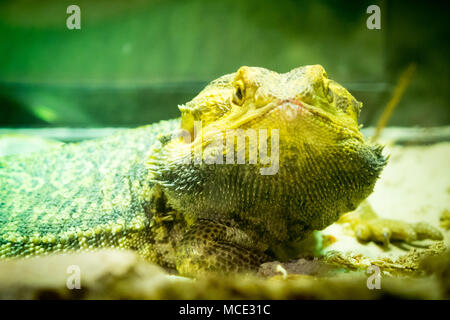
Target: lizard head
(252, 93)
(282, 152)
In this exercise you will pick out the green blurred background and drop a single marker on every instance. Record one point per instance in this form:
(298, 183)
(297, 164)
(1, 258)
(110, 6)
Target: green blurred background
(134, 61)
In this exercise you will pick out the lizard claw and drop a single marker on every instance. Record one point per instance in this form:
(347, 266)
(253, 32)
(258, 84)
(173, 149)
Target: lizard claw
(386, 236)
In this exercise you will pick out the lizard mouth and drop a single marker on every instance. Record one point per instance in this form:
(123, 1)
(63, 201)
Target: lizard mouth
(293, 110)
(290, 111)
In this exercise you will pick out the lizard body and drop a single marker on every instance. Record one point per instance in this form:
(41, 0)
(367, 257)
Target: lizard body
(79, 196)
(137, 189)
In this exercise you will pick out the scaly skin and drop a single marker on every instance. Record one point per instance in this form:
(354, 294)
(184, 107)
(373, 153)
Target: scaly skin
(135, 189)
(79, 196)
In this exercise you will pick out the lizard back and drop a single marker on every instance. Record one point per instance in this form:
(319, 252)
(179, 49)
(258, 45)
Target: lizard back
(90, 194)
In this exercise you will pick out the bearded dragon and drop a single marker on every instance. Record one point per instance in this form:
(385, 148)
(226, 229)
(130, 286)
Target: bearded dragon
(180, 196)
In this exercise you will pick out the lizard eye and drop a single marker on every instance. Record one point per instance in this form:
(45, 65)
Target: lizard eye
(239, 92)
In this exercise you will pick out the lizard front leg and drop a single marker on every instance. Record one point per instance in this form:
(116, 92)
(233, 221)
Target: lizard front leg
(367, 226)
(210, 246)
